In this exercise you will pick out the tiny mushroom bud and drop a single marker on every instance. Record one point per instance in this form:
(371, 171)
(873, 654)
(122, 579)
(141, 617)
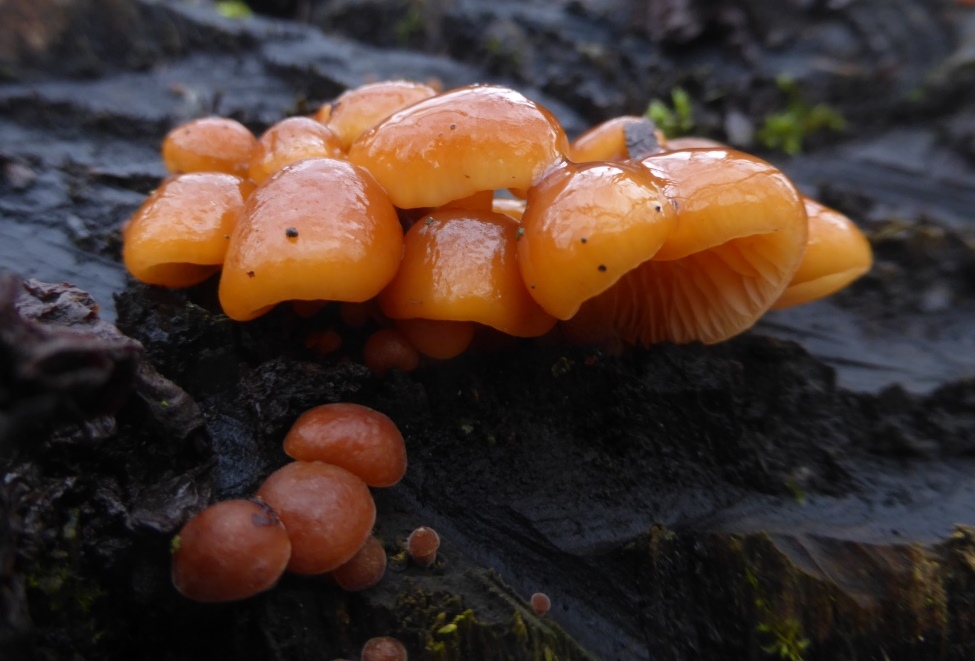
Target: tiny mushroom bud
(359, 439)
(179, 236)
(319, 229)
(422, 545)
(231, 550)
(364, 570)
(327, 511)
(436, 338)
(541, 603)
(289, 141)
(478, 138)
(383, 648)
(388, 348)
(209, 144)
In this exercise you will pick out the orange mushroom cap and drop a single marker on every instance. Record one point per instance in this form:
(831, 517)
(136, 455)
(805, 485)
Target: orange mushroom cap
(361, 108)
(364, 570)
(320, 229)
(607, 141)
(231, 550)
(179, 236)
(389, 348)
(437, 338)
(740, 236)
(361, 440)
(460, 265)
(585, 225)
(837, 253)
(383, 648)
(327, 511)
(291, 140)
(209, 144)
(467, 140)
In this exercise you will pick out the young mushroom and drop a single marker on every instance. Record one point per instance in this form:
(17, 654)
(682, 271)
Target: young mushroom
(327, 511)
(422, 546)
(477, 138)
(383, 648)
(363, 570)
(320, 229)
(231, 550)
(361, 440)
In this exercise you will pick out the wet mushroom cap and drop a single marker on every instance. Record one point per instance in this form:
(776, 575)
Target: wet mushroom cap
(837, 253)
(289, 141)
(460, 265)
(740, 236)
(231, 550)
(389, 348)
(327, 511)
(605, 141)
(364, 570)
(436, 338)
(359, 439)
(422, 546)
(209, 144)
(585, 226)
(179, 236)
(361, 108)
(541, 603)
(320, 229)
(383, 648)
(450, 146)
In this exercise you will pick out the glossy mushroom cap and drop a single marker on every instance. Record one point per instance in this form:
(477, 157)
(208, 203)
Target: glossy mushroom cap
(320, 229)
(389, 348)
(361, 108)
(209, 144)
(364, 570)
(383, 648)
(740, 236)
(436, 338)
(359, 439)
(327, 511)
(585, 226)
(231, 550)
(837, 253)
(422, 546)
(448, 147)
(607, 141)
(289, 141)
(179, 236)
(460, 265)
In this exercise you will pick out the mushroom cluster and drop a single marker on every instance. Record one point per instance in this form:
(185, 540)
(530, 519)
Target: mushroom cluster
(437, 214)
(312, 516)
